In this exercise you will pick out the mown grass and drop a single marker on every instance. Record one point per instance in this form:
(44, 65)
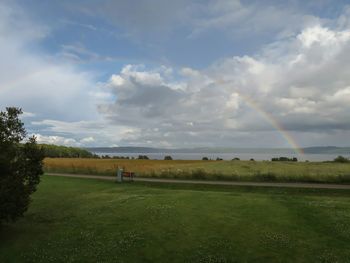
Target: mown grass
(319, 172)
(80, 220)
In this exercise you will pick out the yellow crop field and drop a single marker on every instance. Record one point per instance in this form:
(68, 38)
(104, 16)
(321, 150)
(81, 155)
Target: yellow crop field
(212, 170)
(109, 166)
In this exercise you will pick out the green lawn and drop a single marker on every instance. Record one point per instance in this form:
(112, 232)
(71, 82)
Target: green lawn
(81, 220)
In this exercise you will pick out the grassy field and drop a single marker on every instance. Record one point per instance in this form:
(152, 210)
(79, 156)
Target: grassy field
(214, 170)
(80, 220)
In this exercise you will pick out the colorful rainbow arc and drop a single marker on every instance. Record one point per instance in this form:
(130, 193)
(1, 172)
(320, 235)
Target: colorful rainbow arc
(272, 120)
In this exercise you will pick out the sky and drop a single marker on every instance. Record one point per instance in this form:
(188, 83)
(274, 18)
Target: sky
(173, 74)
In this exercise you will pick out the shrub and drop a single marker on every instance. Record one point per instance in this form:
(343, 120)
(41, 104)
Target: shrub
(143, 157)
(199, 174)
(341, 159)
(205, 159)
(168, 157)
(284, 159)
(265, 177)
(121, 157)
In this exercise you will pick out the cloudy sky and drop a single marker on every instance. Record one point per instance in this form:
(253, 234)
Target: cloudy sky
(160, 73)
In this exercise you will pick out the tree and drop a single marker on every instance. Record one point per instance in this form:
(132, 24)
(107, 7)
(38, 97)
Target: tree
(168, 157)
(56, 151)
(143, 157)
(20, 166)
(341, 159)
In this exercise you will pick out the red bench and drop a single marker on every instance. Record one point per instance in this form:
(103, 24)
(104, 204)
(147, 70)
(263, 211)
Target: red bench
(128, 174)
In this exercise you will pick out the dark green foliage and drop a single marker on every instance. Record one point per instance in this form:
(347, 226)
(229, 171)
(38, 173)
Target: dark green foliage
(264, 177)
(20, 166)
(341, 159)
(205, 159)
(198, 174)
(143, 157)
(284, 159)
(121, 157)
(168, 157)
(111, 157)
(236, 159)
(55, 151)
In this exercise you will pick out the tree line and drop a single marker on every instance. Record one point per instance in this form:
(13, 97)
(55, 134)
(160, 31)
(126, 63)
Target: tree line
(57, 151)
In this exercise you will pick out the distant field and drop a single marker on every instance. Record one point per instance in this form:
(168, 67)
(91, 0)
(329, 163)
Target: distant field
(84, 220)
(211, 170)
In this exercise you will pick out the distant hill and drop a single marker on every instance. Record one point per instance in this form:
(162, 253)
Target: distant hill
(126, 150)
(327, 150)
(310, 150)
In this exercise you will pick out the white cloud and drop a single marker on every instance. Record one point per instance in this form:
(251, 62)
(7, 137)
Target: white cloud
(322, 36)
(240, 19)
(58, 140)
(87, 140)
(35, 81)
(156, 20)
(27, 114)
(84, 133)
(302, 82)
(14, 20)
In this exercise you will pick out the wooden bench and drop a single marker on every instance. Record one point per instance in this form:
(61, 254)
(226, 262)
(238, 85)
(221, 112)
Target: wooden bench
(121, 175)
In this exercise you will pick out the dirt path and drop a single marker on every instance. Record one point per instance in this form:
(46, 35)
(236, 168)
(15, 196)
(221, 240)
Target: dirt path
(178, 181)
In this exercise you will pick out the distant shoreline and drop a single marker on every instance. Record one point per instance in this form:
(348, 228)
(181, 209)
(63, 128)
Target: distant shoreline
(207, 150)
(313, 157)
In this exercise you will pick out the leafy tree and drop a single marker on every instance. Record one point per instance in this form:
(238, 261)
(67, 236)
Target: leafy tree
(341, 159)
(20, 166)
(168, 157)
(56, 151)
(143, 157)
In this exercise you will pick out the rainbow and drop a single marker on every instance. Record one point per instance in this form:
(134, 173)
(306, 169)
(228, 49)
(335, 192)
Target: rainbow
(273, 121)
